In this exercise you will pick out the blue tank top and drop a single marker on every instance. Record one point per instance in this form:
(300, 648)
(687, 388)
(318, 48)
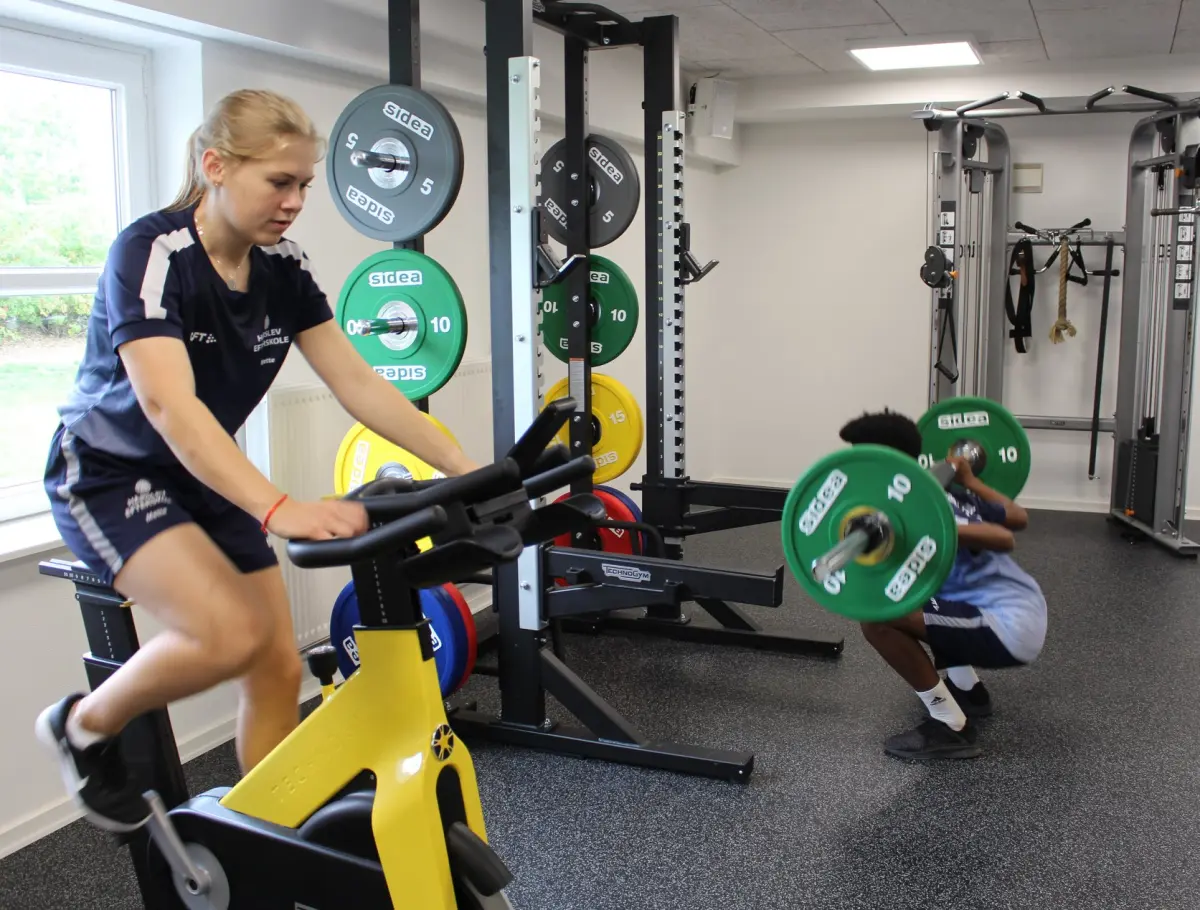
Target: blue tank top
(159, 281)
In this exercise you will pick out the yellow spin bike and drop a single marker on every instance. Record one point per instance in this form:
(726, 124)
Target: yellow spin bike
(306, 829)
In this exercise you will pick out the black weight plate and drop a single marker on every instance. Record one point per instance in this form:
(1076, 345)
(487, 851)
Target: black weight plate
(933, 272)
(613, 191)
(412, 125)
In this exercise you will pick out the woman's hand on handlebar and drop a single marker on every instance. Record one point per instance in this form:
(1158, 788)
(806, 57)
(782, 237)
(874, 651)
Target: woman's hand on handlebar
(323, 520)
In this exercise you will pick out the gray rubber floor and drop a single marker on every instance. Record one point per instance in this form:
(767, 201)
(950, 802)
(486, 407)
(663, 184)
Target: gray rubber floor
(1088, 794)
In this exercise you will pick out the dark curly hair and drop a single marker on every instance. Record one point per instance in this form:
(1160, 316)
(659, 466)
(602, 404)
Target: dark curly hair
(885, 428)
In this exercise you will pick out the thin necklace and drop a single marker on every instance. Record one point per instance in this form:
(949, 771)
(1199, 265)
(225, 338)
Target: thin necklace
(231, 277)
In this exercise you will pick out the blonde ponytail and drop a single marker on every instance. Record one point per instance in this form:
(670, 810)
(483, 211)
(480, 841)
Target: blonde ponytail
(244, 124)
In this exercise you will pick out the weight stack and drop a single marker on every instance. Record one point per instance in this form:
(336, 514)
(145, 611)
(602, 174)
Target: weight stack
(1137, 468)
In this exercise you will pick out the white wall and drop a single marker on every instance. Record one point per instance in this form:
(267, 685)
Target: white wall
(818, 312)
(1085, 163)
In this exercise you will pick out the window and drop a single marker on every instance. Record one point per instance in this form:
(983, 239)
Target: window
(74, 171)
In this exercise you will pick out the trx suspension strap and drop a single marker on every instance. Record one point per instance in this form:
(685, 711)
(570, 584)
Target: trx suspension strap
(1020, 316)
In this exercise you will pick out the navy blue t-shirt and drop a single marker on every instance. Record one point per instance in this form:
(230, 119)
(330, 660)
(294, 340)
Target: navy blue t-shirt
(158, 280)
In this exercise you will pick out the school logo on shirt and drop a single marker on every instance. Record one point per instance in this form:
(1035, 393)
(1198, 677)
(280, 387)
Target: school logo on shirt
(270, 336)
(147, 499)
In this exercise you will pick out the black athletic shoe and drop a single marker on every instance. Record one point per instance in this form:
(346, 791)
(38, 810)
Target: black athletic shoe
(933, 739)
(975, 702)
(95, 777)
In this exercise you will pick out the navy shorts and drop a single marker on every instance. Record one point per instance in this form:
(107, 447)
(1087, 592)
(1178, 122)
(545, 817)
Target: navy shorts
(959, 636)
(106, 508)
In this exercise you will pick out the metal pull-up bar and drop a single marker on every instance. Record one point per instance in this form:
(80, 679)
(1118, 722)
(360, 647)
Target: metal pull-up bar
(979, 110)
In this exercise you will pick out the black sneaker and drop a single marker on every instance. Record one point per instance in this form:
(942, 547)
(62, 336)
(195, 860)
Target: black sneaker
(975, 701)
(933, 739)
(95, 777)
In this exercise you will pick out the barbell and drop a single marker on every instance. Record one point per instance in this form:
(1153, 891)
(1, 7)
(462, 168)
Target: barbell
(869, 533)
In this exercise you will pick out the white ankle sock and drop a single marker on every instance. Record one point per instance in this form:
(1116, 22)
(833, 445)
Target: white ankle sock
(79, 737)
(943, 707)
(963, 677)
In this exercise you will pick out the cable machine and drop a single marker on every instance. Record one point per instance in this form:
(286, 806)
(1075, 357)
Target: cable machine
(1158, 322)
(970, 182)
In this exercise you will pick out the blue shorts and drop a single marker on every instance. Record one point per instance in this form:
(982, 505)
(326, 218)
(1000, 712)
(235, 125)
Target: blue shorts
(106, 508)
(959, 636)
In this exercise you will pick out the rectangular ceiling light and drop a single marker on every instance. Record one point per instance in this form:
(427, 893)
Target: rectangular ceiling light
(917, 56)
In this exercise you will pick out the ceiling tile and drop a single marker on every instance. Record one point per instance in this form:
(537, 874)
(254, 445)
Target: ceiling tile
(1189, 16)
(826, 47)
(1126, 32)
(1187, 41)
(757, 66)
(1030, 51)
(718, 33)
(1039, 5)
(985, 20)
(777, 15)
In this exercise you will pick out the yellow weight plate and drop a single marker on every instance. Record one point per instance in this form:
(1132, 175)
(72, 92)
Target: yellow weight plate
(616, 423)
(363, 455)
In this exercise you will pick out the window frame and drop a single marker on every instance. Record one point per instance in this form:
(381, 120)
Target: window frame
(126, 72)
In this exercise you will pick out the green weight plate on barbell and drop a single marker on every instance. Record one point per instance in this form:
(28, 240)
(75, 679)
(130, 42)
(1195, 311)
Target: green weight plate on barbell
(904, 574)
(986, 423)
(407, 287)
(612, 309)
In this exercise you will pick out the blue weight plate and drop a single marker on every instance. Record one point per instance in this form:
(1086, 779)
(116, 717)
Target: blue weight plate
(449, 635)
(449, 641)
(633, 509)
(341, 630)
(447, 621)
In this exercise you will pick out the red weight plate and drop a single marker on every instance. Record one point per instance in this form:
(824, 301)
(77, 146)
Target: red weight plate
(612, 540)
(472, 633)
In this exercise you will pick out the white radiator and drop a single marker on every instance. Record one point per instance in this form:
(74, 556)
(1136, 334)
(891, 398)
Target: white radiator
(293, 438)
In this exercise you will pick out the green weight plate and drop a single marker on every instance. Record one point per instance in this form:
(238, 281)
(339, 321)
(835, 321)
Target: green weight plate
(982, 421)
(425, 309)
(908, 571)
(395, 203)
(612, 309)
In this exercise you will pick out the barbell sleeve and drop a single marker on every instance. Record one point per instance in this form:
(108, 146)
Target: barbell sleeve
(394, 326)
(852, 546)
(385, 162)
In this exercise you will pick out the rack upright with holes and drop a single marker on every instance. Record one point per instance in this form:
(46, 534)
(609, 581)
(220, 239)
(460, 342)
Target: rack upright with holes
(528, 669)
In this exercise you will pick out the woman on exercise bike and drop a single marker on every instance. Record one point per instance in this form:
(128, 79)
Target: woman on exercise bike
(196, 309)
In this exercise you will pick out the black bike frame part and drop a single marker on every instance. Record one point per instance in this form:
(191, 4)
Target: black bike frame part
(148, 742)
(268, 866)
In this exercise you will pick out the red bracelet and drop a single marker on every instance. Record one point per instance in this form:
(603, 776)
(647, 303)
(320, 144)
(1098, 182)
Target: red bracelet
(271, 512)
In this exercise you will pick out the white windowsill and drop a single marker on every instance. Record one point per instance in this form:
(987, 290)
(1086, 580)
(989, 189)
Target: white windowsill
(30, 536)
